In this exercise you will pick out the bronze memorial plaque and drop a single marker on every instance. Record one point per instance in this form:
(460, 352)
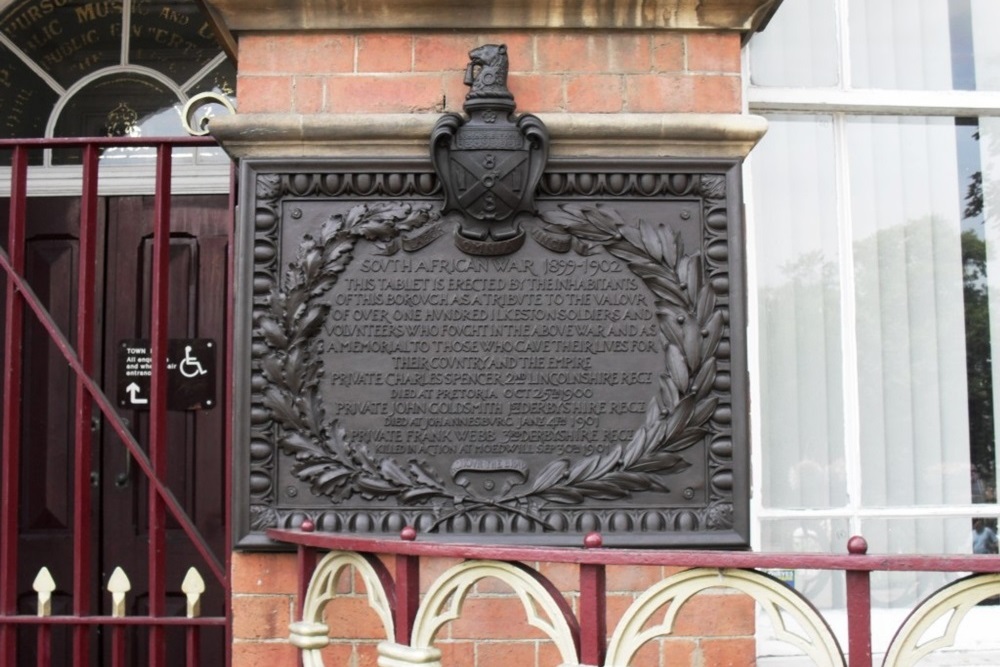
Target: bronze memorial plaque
(490, 345)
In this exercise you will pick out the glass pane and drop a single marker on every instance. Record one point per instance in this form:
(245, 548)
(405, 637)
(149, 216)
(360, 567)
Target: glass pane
(172, 37)
(798, 47)
(983, 211)
(67, 40)
(221, 79)
(119, 106)
(906, 217)
(913, 536)
(894, 594)
(986, 46)
(977, 238)
(824, 588)
(27, 101)
(924, 44)
(797, 265)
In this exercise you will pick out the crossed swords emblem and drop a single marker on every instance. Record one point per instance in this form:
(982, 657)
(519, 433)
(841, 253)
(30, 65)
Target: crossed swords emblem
(489, 184)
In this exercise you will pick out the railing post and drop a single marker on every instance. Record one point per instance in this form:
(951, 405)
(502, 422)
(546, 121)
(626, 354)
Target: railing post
(228, 397)
(82, 459)
(158, 402)
(407, 590)
(119, 586)
(859, 609)
(193, 587)
(44, 586)
(10, 466)
(306, 564)
(593, 607)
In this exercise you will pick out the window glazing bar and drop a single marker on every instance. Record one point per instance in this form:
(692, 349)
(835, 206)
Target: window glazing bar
(850, 391)
(892, 102)
(901, 512)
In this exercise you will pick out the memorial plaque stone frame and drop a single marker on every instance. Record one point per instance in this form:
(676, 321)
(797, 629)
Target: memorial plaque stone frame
(593, 379)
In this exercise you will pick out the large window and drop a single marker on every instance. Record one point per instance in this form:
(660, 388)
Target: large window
(875, 266)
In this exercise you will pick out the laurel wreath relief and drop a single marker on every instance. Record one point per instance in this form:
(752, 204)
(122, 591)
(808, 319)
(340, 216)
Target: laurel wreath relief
(678, 415)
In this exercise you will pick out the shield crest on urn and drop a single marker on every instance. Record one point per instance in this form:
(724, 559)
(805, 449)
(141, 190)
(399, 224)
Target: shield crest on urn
(489, 163)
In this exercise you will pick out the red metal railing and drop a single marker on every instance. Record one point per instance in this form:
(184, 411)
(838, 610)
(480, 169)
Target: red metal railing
(403, 589)
(80, 359)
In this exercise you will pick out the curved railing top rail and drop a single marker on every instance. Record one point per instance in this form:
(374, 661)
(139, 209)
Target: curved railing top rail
(415, 623)
(857, 558)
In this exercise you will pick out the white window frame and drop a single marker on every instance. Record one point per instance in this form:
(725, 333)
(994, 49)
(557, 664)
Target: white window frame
(840, 103)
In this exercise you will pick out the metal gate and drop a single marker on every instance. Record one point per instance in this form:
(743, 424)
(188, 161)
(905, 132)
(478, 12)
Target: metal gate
(81, 630)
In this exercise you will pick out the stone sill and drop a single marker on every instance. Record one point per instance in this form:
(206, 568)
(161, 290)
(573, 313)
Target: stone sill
(680, 135)
(236, 16)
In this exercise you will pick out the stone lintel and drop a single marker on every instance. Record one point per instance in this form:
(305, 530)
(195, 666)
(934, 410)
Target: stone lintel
(238, 16)
(676, 135)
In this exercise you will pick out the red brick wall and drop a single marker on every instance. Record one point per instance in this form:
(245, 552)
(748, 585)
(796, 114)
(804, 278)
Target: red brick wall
(551, 72)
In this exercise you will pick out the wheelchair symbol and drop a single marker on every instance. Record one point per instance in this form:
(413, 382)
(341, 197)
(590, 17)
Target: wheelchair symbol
(190, 366)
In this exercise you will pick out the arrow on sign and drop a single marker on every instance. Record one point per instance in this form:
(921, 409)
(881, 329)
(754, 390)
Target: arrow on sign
(133, 395)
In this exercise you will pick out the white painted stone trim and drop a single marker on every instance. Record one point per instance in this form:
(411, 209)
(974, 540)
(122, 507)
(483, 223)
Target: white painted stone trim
(953, 602)
(311, 635)
(777, 599)
(443, 603)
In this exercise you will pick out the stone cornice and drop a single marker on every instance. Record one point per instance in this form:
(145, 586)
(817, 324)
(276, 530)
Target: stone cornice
(407, 135)
(236, 16)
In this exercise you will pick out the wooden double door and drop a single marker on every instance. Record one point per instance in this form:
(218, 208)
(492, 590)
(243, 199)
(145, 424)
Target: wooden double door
(196, 472)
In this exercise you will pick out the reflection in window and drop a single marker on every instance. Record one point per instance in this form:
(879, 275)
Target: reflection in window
(877, 267)
(26, 104)
(799, 322)
(65, 41)
(979, 355)
(171, 37)
(890, 44)
(906, 222)
(798, 47)
(122, 106)
(924, 362)
(877, 262)
(922, 324)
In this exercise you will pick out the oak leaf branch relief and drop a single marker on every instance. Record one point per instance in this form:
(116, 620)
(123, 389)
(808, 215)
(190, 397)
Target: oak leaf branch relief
(678, 417)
